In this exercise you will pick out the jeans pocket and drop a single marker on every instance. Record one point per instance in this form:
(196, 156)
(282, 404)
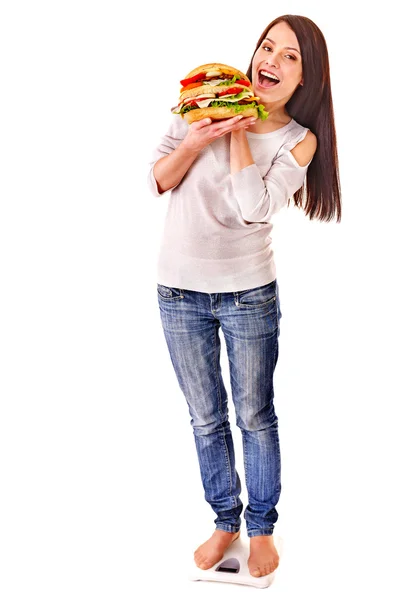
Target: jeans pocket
(169, 293)
(257, 297)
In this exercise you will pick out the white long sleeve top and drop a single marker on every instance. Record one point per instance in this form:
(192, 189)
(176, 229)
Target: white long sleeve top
(216, 236)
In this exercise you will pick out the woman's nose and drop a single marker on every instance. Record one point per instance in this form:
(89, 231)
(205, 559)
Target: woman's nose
(272, 63)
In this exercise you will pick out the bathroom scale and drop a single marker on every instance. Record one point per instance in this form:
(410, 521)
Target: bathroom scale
(233, 567)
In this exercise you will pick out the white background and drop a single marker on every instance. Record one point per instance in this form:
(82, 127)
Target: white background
(100, 488)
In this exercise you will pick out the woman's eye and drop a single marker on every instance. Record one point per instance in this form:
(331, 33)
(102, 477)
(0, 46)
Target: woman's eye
(267, 47)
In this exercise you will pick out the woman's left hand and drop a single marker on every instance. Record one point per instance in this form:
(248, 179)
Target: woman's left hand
(246, 122)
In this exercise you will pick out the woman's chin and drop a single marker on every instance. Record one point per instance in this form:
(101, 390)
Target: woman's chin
(260, 94)
(263, 94)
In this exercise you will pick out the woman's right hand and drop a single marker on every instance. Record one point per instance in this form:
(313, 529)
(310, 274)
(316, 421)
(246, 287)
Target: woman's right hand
(203, 132)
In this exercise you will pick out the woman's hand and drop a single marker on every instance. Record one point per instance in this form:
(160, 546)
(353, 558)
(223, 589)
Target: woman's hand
(201, 133)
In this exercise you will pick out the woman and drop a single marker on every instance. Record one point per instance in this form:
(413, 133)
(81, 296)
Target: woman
(216, 268)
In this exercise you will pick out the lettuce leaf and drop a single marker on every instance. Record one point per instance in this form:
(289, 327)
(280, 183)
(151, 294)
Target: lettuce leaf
(229, 81)
(226, 81)
(262, 113)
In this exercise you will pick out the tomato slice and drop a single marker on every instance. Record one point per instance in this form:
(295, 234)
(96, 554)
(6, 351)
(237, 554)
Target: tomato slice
(243, 82)
(199, 76)
(235, 90)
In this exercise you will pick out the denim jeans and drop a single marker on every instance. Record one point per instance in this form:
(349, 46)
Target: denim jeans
(250, 324)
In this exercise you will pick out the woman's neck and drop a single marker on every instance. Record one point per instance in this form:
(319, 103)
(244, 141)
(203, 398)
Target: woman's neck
(270, 124)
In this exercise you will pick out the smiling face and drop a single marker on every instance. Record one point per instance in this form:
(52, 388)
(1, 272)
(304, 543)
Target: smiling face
(279, 55)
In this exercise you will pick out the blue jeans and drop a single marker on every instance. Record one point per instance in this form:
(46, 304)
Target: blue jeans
(250, 324)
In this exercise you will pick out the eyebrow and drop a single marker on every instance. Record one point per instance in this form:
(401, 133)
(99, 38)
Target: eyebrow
(286, 47)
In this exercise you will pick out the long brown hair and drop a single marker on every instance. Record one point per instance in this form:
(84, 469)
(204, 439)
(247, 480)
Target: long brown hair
(311, 106)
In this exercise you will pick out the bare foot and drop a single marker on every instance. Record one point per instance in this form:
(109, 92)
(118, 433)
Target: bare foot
(263, 556)
(212, 551)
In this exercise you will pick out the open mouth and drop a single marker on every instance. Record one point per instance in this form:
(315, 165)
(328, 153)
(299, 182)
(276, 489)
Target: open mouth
(267, 80)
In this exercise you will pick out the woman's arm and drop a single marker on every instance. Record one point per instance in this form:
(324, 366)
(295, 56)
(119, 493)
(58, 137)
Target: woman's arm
(240, 154)
(241, 157)
(169, 170)
(259, 198)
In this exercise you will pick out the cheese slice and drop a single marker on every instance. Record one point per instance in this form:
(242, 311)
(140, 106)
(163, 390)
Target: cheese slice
(242, 94)
(207, 98)
(204, 103)
(214, 82)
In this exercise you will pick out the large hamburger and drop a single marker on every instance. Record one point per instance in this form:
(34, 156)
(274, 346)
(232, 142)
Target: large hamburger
(219, 92)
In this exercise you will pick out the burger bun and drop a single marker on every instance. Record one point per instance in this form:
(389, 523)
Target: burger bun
(218, 112)
(226, 69)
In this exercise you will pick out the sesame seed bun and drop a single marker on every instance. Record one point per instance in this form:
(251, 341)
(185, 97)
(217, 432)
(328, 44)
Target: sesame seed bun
(226, 69)
(218, 112)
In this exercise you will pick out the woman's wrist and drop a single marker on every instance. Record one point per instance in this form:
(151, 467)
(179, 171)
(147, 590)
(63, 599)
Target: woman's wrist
(239, 133)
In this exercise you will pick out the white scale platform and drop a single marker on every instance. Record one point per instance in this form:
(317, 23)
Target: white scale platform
(233, 567)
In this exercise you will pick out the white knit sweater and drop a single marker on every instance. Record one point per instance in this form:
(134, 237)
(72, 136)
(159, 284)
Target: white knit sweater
(217, 226)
